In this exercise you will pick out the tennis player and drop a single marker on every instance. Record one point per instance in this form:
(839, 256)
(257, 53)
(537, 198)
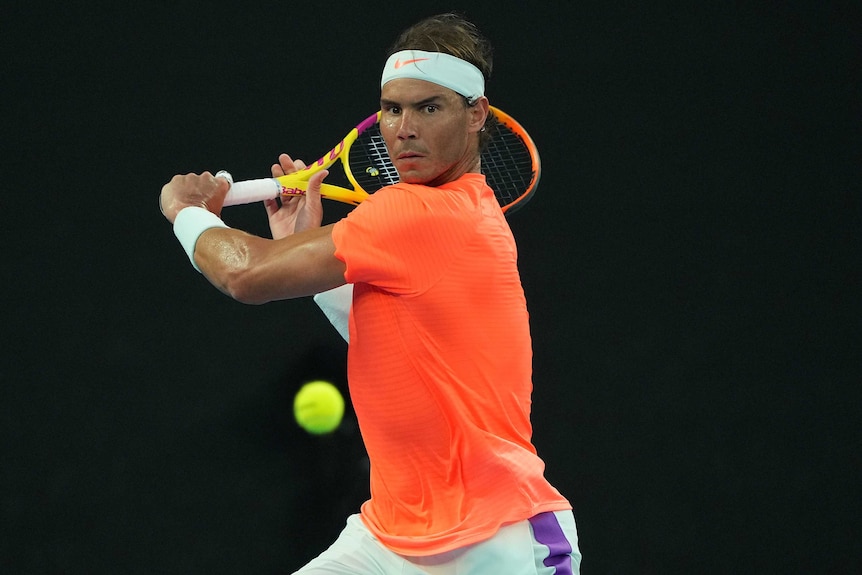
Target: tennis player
(439, 361)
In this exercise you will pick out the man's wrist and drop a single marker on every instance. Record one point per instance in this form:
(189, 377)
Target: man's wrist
(190, 223)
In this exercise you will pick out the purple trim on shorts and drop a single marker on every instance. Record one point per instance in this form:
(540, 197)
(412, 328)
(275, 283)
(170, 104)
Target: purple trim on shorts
(547, 531)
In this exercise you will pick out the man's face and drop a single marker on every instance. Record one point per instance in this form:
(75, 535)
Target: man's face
(428, 131)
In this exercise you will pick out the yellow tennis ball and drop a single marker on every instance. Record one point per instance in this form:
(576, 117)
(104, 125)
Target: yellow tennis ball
(318, 407)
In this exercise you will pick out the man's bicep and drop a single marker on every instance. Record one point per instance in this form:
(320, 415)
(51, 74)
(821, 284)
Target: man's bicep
(303, 265)
(255, 270)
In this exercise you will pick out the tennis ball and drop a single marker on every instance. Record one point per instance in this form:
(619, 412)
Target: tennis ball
(318, 407)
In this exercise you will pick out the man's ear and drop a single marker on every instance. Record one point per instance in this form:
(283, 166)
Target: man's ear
(478, 114)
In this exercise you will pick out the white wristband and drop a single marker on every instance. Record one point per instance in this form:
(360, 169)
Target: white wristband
(190, 223)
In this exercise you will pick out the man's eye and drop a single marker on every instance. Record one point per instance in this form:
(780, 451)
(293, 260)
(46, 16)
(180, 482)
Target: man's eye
(430, 109)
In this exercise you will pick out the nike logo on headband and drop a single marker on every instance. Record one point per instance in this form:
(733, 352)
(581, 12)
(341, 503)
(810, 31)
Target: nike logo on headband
(399, 63)
(438, 68)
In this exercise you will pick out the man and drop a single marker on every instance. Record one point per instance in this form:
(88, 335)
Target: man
(439, 362)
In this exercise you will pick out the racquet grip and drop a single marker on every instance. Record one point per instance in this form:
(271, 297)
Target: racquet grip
(250, 191)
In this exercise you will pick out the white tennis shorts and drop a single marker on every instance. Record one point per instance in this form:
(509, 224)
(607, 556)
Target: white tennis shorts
(546, 544)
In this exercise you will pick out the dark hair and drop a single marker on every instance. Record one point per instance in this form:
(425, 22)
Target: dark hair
(452, 34)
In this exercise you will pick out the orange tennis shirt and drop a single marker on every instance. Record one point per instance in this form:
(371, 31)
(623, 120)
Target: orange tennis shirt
(440, 366)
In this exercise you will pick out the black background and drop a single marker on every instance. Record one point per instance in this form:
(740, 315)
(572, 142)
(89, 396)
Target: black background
(692, 263)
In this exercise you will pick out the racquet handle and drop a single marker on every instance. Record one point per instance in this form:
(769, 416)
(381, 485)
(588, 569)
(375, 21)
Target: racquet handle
(250, 191)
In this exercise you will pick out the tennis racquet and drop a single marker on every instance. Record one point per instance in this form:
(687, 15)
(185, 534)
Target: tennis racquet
(510, 163)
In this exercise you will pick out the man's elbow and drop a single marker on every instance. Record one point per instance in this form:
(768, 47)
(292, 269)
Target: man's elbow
(232, 268)
(245, 288)
(239, 282)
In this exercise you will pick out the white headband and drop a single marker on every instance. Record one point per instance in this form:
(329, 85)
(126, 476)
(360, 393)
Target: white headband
(442, 69)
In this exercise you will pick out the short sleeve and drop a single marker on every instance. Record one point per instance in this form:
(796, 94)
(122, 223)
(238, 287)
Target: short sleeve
(404, 237)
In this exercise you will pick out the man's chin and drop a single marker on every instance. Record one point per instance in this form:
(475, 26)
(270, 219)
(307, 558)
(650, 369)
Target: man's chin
(410, 177)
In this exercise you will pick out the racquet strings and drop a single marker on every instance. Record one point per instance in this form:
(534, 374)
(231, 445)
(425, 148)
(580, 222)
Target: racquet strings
(508, 165)
(369, 161)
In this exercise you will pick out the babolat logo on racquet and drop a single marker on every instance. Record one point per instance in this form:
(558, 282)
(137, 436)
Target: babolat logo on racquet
(510, 163)
(292, 191)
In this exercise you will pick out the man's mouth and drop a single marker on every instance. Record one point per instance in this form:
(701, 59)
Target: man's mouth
(408, 154)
